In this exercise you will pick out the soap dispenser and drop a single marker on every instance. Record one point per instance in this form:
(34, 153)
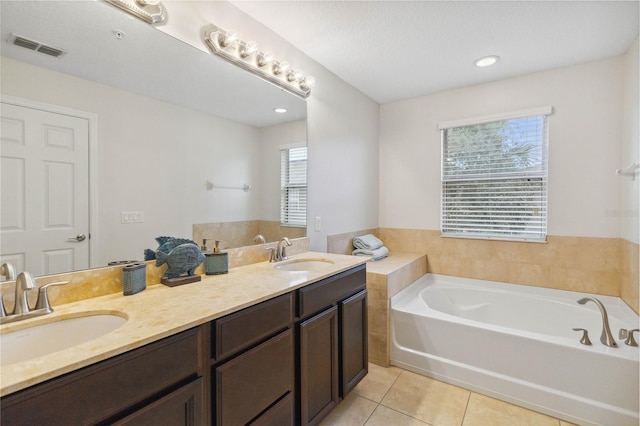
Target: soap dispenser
(217, 262)
(204, 247)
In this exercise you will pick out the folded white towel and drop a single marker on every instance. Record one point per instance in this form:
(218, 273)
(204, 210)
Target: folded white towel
(377, 254)
(368, 242)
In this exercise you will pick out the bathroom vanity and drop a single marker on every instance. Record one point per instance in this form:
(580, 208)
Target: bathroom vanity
(286, 359)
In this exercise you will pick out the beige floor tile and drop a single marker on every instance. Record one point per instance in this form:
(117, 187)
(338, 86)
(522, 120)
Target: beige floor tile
(483, 410)
(377, 382)
(566, 423)
(426, 399)
(352, 411)
(384, 416)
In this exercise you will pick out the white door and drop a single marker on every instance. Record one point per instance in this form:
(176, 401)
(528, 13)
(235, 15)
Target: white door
(44, 203)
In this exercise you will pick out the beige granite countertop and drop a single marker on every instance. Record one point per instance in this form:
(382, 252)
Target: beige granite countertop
(162, 311)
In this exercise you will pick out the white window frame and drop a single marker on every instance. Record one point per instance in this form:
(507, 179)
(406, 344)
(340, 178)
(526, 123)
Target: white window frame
(457, 225)
(298, 219)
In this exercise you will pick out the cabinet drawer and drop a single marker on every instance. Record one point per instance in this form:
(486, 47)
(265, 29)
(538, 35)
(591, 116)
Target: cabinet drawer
(100, 391)
(247, 385)
(281, 414)
(316, 297)
(182, 407)
(237, 331)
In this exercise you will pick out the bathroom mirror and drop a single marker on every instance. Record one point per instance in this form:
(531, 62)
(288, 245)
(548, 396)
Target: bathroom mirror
(176, 136)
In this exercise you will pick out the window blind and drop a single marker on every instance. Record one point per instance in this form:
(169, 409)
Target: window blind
(494, 179)
(293, 186)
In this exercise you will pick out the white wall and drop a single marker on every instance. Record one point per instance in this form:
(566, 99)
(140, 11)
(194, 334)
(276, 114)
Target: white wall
(630, 145)
(585, 143)
(271, 139)
(154, 157)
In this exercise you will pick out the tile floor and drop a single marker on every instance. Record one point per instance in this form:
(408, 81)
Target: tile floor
(395, 397)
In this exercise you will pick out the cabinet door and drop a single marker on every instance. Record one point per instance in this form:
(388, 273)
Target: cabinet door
(319, 393)
(181, 407)
(353, 341)
(251, 383)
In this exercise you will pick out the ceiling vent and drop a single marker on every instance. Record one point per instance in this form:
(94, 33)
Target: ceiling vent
(36, 46)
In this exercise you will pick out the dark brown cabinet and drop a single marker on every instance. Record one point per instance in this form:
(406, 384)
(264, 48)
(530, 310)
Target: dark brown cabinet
(288, 360)
(332, 342)
(153, 379)
(319, 392)
(253, 365)
(353, 340)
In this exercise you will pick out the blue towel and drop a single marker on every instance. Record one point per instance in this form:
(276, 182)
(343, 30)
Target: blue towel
(377, 254)
(367, 242)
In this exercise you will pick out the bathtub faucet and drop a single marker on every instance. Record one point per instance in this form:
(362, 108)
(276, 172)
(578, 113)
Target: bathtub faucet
(606, 337)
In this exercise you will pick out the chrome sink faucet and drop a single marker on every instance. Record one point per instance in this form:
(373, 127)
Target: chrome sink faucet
(606, 337)
(24, 283)
(21, 310)
(281, 252)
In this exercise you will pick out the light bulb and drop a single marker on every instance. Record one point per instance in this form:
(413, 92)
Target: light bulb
(281, 67)
(228, 38)
(294, 75)
(248, 48)
(264, 58)
(308, 82)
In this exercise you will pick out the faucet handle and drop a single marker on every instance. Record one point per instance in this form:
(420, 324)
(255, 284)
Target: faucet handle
(585, 336)
(628, 334)
(272, 255)
(43, 296)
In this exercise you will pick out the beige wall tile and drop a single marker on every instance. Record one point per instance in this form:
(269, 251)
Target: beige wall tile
(378, 349)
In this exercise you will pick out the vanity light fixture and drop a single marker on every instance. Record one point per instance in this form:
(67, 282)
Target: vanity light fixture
(247, 56)
(486, 61)
(280, 110)
(150, 11)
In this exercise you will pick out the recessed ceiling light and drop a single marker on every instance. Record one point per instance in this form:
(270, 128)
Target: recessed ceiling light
(280, 110)
(486, 61)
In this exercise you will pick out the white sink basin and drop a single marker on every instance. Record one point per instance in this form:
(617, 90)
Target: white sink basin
(55, 336)
(315, 264)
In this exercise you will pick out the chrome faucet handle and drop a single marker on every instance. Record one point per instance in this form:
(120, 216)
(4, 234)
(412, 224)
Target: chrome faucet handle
(43, 296)
(628, 334)
(585, 336)
(272, 255)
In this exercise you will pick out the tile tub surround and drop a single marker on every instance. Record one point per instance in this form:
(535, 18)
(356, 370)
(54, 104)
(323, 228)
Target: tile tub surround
(386, 278)
(607, 266)
(96, 282)
(159, 312)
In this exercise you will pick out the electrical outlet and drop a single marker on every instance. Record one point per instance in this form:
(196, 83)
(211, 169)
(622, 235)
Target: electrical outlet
(132, 217)
(318, 223)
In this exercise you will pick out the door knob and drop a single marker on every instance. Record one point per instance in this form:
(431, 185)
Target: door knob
(77, 238)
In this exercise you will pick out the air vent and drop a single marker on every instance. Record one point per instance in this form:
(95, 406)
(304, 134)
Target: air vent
(35, 45)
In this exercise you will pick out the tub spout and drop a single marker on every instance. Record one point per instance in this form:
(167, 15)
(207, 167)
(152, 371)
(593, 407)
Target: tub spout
(606, 337)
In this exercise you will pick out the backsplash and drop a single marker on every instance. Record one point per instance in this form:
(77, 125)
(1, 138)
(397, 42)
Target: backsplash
(607, 266)
(108, 280)
(242, 233)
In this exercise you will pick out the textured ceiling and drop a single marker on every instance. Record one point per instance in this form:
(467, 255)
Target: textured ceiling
(392, 50)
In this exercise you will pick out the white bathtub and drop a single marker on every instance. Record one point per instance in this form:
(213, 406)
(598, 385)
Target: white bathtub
(516, 343)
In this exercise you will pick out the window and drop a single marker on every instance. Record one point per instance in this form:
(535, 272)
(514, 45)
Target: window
(293, 186)
(494, 177)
